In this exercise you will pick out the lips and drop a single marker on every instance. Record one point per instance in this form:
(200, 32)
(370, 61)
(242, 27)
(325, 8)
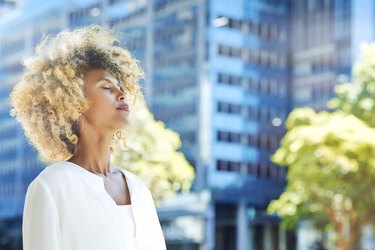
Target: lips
(123, 107)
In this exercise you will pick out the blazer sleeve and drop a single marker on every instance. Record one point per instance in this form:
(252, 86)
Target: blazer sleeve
(40, 224)
(157, 232)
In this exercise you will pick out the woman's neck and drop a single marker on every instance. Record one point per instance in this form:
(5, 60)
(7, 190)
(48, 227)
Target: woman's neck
(93, 154)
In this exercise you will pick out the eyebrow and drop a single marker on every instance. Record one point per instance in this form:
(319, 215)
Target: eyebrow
(110, 81)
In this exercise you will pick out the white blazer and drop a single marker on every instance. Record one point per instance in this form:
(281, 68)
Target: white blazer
(68, 208)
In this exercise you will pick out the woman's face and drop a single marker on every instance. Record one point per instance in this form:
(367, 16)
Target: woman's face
(108, 111)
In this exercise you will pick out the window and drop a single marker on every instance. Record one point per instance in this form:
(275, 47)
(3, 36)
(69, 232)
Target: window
(223, 78)
(236, 24)
(234, 137)
(274, 32)
(235, 52)
(188, 137)
(223, 107)
(264, 85)
(264, 30)
(246, 27)
(263, 60)
(263, 114)
(229, 79)
(228, 137)
(258, 169)
(234, 108)
(251, 140)
(222, 136)
(273, 87)
(232, 166)
(254, 56)
(273, 59)
(282, 34)
(252, 168)
(255, 28)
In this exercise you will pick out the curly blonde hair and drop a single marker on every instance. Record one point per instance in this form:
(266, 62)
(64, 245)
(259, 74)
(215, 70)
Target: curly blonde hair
(49, 99)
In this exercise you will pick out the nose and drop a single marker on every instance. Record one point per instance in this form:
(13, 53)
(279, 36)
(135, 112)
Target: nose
(120, 93)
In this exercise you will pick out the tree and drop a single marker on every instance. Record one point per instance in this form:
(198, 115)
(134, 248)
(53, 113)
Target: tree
(331, 168)
(331, 159)
(151, 153)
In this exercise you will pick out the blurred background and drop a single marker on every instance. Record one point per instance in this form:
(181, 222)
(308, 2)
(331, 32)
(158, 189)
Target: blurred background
(224, 75)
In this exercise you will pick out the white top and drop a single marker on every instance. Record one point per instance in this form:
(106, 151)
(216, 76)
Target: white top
(68, 208)
(127, 212)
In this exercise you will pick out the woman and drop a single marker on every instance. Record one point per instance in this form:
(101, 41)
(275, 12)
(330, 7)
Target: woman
(73, 103)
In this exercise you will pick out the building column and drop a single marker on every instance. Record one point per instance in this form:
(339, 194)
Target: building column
(266, 237)
(209, 241)
(242, 227)
(250, 237)
(282, 238)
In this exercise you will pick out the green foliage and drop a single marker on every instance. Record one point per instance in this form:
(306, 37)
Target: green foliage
(359, 98)
(151, 153)
(331, 160)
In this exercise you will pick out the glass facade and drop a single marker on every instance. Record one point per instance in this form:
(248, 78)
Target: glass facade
(248, 58)
(174, 82)
(322, 50)
(250, 96)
